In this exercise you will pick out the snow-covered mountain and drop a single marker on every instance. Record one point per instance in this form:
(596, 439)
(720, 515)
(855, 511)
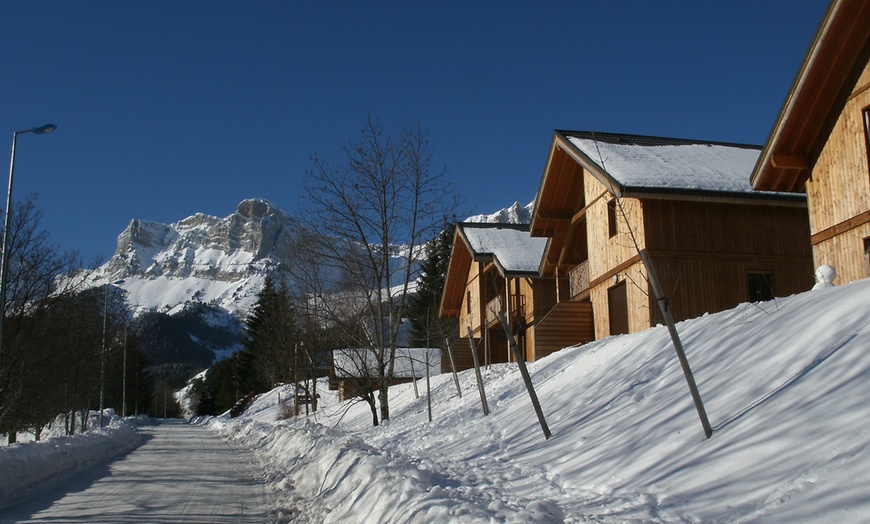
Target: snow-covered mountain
(515, 214)
(205, 271)
(202, 258)
(221, 262)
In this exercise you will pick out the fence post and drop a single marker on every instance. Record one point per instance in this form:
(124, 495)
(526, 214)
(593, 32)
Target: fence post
(675, 337)
(413, 374)
(453, 367)
(525, 373)
(428, 387)
(477, 372)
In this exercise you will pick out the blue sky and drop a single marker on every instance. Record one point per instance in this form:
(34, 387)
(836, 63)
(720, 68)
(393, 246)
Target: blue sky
(165, 109)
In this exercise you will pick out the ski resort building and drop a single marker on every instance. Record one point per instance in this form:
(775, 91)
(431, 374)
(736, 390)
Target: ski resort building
(820, 143)
(714, 241)
(494, 269)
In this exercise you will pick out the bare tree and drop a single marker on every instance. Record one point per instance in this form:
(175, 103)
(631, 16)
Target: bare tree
(33, 287)
(372, 210)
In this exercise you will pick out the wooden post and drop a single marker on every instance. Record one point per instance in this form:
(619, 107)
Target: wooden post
(675, 337)
(453, 367)
(487, 348)
(413, 375)
(428, 387)
(525, 373)
(477, 372)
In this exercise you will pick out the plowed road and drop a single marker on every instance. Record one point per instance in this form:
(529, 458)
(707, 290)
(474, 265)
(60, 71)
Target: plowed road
(182, 473)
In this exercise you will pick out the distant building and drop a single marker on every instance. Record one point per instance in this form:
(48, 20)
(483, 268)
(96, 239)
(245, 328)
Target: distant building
(494, 268)
(355, 369)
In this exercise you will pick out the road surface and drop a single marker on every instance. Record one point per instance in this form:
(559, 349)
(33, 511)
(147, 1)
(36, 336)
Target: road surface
(182, 473)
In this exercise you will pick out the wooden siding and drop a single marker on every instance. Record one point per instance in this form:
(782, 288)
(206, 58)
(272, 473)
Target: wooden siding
(567, 324)
(498, 352)
(470, 316)
(637, 294)
(839, 189)
(846, 253)
(560, 196)
(727, 230)
(704, 252)
(609, 252)
(697, 284)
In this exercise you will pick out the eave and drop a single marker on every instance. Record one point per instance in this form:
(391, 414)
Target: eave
(836, 56)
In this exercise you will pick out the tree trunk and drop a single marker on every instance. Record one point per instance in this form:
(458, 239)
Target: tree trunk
(383, 394)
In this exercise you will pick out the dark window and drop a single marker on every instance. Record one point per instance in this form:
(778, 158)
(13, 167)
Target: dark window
(760, 286)
(611, 217)
(867, 256)
(617, 306)
(867, 134)
(468, 302)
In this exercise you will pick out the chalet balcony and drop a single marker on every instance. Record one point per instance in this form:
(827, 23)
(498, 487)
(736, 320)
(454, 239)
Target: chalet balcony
(517, 312)
(578, 279)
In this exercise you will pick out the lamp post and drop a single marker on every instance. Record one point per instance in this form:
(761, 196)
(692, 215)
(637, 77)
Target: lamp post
(4, 249)
(103, 350)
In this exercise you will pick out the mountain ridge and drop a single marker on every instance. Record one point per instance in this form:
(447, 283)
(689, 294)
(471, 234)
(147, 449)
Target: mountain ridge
(222, 262)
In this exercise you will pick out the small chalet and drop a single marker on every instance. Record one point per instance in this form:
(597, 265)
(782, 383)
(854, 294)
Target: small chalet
(820, 143)
(494, 268)
(354, 370)
(715, 242)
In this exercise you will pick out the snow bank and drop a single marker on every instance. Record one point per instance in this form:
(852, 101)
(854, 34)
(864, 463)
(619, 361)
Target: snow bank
(325, 475)
(785, 384)
(27, 466)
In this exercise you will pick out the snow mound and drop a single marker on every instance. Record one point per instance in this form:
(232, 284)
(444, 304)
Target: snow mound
(785, 384)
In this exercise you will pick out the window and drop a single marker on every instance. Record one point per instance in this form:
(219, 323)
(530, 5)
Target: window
(617, 309)
(867, 134)
(468, 302)
(867, 256)
(611, 217)
(760, 286)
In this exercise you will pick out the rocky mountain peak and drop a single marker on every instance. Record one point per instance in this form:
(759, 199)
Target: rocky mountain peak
(515, 214)
(202, 245)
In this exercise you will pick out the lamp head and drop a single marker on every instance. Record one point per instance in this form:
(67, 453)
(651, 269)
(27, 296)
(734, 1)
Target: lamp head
(41, 130)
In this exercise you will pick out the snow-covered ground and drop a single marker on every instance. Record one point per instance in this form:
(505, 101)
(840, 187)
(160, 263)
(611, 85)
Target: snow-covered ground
(29, 467)
(786, 385)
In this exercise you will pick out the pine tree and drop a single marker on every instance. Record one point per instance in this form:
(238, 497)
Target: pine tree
(427, 329)
(273, 337)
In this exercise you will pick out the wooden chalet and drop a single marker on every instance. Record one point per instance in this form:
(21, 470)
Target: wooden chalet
(495, 268)
(819, 144)
(354, 370)
(715, 242)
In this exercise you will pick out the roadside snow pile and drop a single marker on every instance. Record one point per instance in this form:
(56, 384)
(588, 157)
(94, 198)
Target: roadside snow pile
(329, 476)
(785, 383)
(35, 465)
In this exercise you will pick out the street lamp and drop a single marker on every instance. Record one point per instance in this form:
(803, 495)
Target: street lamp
(4, 250)
(103, 351)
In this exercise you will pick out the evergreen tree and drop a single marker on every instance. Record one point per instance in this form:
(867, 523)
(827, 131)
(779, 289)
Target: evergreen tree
(427, 329)
(273, 337)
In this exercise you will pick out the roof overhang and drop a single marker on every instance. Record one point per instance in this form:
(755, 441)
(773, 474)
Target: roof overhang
(836, 56)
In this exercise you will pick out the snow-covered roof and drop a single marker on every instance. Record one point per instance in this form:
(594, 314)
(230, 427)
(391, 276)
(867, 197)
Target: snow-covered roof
(654, 164)
(514, 251)
(410, 362)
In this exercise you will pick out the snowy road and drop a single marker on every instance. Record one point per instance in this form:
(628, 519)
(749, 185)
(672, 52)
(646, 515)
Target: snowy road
(182, 473)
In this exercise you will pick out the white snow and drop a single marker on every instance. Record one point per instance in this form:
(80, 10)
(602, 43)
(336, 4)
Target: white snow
(171, 294)
(30, 466)
(785, 384)
(689, 166)
(513, 249)
(409, 362)
(516, 213)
